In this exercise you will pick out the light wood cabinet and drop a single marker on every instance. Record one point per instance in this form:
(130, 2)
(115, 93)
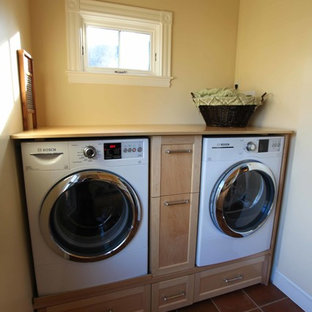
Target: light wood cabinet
(173, 293)
(229, 277)
(131, 300)
(175, 175)
(174, 281)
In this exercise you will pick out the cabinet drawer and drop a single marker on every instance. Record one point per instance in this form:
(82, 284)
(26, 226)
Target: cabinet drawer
(175, 165)
(172, 294)
(228, 278)
(130, 300)
(176, 168)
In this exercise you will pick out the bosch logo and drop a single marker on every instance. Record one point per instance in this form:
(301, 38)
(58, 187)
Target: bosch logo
(49, 149)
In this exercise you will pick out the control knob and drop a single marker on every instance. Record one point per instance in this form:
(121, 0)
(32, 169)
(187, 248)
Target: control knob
(251, 147)
(89, 151)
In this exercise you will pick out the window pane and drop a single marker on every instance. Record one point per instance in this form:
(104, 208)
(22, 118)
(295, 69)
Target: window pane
(135, 50)
(102, 47)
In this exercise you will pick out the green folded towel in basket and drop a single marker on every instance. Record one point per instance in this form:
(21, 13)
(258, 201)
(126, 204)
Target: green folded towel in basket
(224, 96)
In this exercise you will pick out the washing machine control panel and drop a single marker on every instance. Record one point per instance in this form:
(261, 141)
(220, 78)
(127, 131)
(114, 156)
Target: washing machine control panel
(82, 152)
(121, 150)
(264, 145)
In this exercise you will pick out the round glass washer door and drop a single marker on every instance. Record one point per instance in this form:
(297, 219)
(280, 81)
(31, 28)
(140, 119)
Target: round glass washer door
(242, 198)
(90, 215)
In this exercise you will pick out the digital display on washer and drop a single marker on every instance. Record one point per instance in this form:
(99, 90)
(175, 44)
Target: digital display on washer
(263, 146)
(112, 150)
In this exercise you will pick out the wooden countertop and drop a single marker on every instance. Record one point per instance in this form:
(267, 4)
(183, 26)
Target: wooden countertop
(139, 130)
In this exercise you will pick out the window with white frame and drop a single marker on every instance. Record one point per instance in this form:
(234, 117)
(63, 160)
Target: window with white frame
(118, 44)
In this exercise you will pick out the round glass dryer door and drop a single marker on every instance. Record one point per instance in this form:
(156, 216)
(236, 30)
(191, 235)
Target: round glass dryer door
(90, 215)
(242, 199)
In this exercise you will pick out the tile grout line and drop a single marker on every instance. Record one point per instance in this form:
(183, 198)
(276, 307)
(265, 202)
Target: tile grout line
(215, 305)
(253, 309)
(266, 304)
(274, 301)
(252, 300)
(249, 310)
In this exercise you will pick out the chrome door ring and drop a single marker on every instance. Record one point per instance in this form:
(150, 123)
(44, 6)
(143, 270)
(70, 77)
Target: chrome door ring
(226, 180)
(68, 182)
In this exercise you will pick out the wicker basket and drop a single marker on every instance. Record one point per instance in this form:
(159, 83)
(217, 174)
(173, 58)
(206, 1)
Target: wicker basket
(227, 115)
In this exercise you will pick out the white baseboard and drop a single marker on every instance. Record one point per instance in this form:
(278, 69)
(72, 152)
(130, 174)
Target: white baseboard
(293, 291)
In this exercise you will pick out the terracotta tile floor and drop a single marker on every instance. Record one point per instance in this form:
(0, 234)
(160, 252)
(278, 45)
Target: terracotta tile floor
(252, 299)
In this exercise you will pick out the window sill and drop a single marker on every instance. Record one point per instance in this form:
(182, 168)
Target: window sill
(118, 79)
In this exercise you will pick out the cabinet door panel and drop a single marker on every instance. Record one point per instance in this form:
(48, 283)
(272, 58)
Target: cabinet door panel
(174, 229)
(173, 232)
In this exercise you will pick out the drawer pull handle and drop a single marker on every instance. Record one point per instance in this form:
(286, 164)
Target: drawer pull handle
(176, 202)
(166, 298)
(178, 151)
(236, 278)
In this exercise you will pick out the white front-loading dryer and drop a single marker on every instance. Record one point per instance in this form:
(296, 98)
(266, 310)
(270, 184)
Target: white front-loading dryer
(239, 181)
(87, 205)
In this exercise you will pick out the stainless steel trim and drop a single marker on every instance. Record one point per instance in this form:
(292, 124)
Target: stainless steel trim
(234, 279)
(70, 181)
(166, 298)
(178, 151)
(176, 202)
(226, 180)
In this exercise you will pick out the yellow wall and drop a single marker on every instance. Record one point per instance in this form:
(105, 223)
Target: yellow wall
(15, 281)
(203, 55)
(274, 54)
(204, 42)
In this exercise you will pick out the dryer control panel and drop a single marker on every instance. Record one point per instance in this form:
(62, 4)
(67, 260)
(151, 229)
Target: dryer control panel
(239, 148)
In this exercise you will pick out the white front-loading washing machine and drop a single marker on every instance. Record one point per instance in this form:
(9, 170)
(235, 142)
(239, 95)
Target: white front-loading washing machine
(239, 181)
(87, 205)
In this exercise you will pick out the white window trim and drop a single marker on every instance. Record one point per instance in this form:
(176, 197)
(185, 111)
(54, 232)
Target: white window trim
(76, 10)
